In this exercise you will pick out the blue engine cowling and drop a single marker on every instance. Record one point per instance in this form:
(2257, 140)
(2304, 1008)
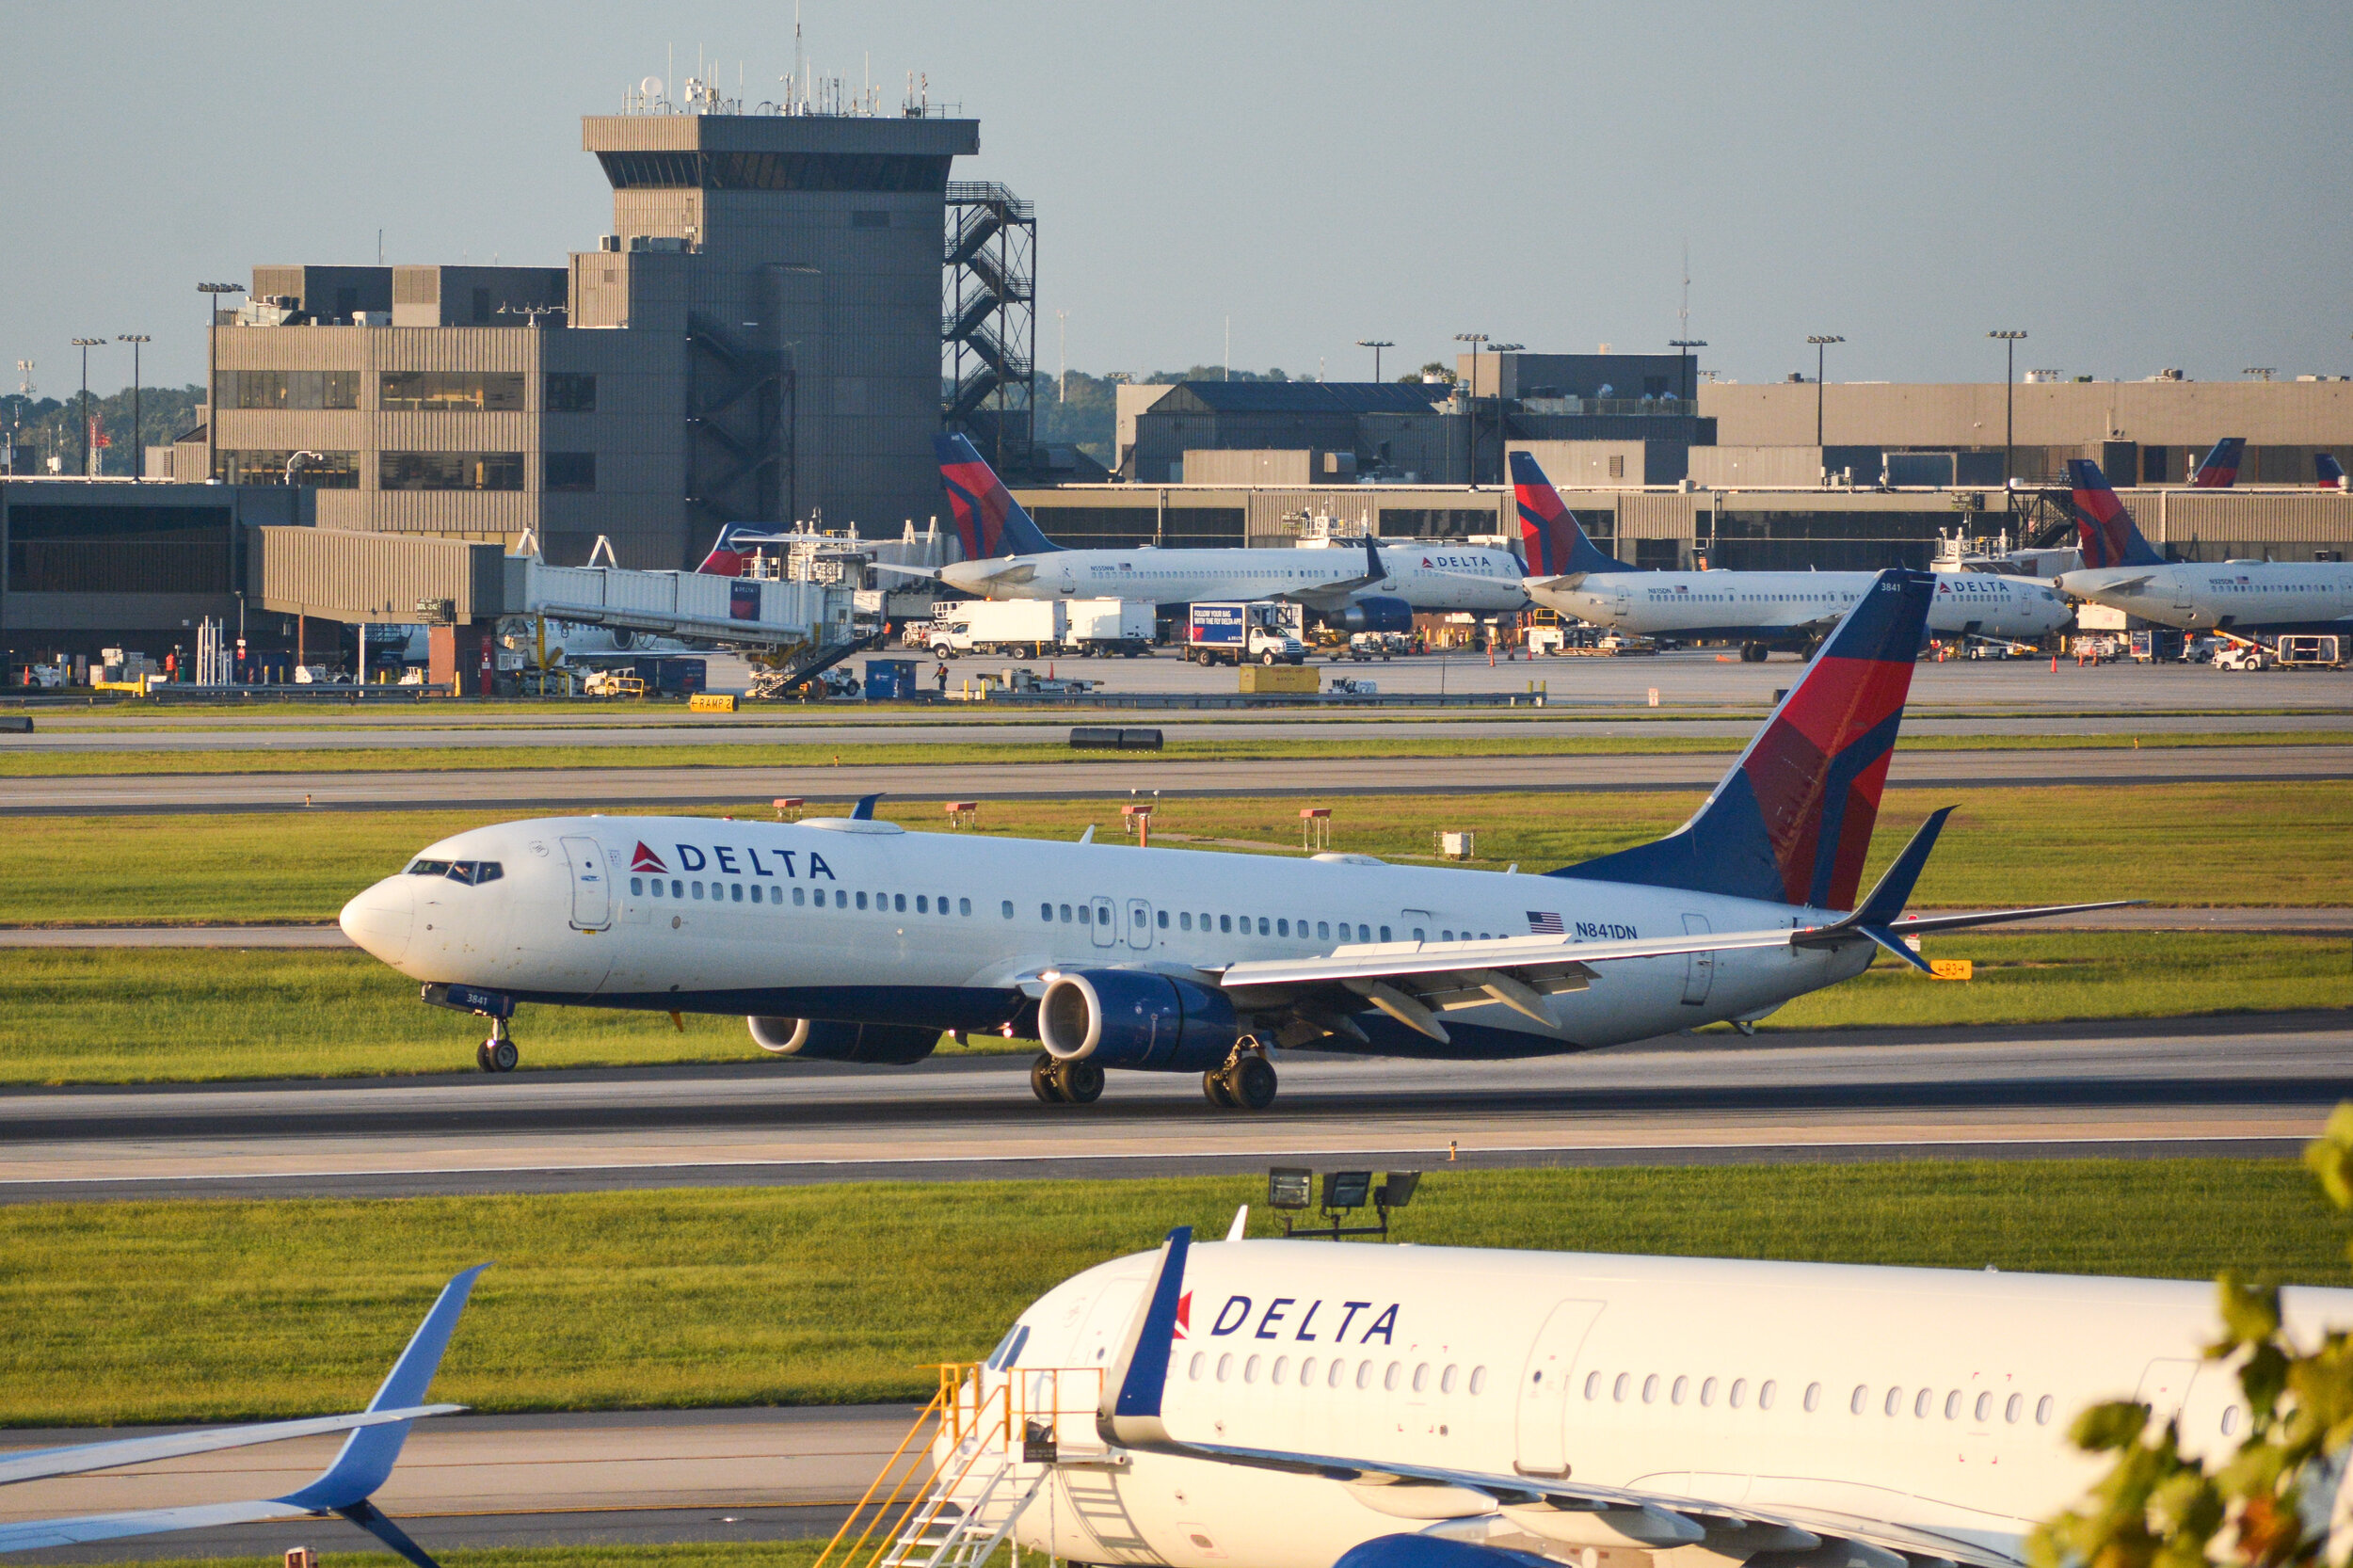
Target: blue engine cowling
(1435, 1551)
(819, 1040)
(1379, 614)
(1136, 1018)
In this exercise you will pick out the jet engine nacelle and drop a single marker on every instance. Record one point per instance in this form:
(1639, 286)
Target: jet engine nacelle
(1135, 1018)
(819, 1040)
(1379, 614)
(1433, 1551)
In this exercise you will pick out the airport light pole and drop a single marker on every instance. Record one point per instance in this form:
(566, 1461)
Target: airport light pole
(1376, 345)
(1691, 391)
(211, 293)
(1821, 346)
(2009, 341)
(1471, 462)
(85, 344)
(139, 453)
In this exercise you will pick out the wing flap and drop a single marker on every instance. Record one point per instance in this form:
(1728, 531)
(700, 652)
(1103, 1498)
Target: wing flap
(38, 1534)
(1397, 962)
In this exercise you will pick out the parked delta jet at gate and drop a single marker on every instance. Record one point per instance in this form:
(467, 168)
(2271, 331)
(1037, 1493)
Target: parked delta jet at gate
(1303, 1404)
(852, 939)
(1007, 556)
(1759, 610)
(2122, 570)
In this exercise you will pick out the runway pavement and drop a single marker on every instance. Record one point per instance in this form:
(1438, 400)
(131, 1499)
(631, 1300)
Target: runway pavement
(2300, 922)
(654, 789)
(2241, 1084)
(512, 1480)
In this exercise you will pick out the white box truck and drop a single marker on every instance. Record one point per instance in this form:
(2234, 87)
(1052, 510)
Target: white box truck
(1108, 626)
(1032, 627)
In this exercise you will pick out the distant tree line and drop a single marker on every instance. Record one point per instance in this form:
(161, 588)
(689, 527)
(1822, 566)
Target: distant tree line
(51, 427)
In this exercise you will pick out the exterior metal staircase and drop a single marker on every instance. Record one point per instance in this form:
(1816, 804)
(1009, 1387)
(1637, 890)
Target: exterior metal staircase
(975, 1459)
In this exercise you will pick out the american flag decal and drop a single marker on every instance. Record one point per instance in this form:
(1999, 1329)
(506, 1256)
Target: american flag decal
(1543, 923)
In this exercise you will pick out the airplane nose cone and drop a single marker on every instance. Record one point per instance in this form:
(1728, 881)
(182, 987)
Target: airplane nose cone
(381, 920)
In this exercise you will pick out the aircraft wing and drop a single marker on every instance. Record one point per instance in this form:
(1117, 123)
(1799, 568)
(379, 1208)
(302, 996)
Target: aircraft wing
(42, 1464)
(345, 1487)
(906, 571)
(1551, 1509)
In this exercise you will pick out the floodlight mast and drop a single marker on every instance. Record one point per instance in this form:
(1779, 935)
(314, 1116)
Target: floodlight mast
(1290, 1187)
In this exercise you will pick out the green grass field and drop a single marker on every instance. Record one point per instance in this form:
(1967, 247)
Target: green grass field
(2242, 845)
(720, 753)
(154, 1312)
(117, 1015)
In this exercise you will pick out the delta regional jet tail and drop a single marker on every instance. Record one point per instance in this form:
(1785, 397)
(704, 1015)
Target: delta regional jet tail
(2220, 471)
(851, 940)
(1007, 556)
(1759, 610)
(1306, 1404)
(2124, 571)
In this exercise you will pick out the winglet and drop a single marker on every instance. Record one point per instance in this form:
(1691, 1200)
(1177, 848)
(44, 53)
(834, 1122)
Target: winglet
(1893, 888)
(368, 1454)
(864, 810)
(1131, 1412)
(1373, 569)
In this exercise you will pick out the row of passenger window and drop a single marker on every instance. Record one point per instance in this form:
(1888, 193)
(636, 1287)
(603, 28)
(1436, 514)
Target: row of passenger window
(1922, 1400)
(739, 892)
(1268, 925)
(1335, 1373)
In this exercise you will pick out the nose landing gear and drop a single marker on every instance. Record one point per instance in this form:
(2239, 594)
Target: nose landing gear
(499, 1053)
(1247, 1083)
(1059, 1083)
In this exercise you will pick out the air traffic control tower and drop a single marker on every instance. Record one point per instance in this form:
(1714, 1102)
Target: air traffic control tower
(758, 339)
(798, 259)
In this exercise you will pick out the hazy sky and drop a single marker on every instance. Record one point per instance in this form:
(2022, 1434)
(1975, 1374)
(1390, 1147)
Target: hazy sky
(2138, 185)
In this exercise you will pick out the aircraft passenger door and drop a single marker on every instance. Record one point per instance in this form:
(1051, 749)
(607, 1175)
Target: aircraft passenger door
(592, 891)
(2165, 1387)
(1106, 928)
(1139, 923)
(1698, 969)
(1543, 1445)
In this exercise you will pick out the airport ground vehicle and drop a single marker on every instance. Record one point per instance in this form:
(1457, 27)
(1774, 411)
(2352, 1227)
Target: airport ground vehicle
(1236, 631)
(2311, 651)
(2237, 655)
(1035, 628)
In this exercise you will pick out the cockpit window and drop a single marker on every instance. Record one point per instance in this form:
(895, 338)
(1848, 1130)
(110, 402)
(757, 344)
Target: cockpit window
(1008, 1350)
(429, 868)
(475, 872)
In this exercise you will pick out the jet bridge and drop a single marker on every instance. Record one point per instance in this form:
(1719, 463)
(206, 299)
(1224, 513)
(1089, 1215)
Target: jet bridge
(751, 612)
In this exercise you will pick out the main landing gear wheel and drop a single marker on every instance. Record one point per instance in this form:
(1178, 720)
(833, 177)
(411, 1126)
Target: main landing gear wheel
(1065, 1083)
(1246, 1084)
(499, 1053)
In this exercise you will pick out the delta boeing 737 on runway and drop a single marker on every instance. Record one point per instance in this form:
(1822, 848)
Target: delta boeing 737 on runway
(1759, 610)
(2123, 569)
(852, 939)
(1007, 556)
(1304, 1404)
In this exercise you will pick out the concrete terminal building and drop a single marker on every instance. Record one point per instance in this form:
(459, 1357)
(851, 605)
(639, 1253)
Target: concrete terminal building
(757, 339)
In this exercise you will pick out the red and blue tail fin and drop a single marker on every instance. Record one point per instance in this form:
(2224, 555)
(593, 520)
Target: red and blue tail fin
(1791, 822)
(1557, 546)
(734, 546)
(2220, 471)
(2103, 527)
(989, 522)
(2329, 471)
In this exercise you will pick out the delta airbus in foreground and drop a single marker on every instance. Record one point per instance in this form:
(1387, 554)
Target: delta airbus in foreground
(1762, 610)
(1302, 1404)
(852, 939)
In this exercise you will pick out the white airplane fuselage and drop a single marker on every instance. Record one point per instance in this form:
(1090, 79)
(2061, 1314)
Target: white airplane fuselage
(1436, 577)
(1769, 606)
(860, 919)
(1929, 1400)
(2234, 596)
